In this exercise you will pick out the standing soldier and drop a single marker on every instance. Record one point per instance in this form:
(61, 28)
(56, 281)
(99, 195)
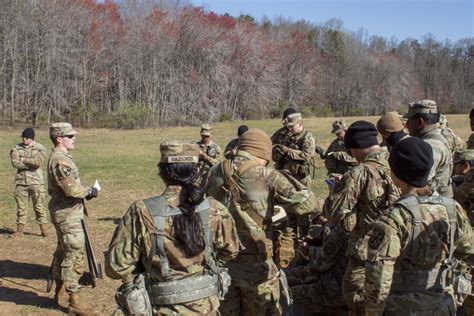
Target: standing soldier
(463, 180)
(295, 151)
(251, 190)
(336, 158)
(357, 201)
(470, 142)
(282, 135)
(176, 240)
(231, 148)
(391, 128)
(410, 268)
(455, 142)
(28, 158)
(210, 153)
(66, 208)
(423, 117)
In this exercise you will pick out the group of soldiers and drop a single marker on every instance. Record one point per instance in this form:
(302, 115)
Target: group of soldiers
(236, 236)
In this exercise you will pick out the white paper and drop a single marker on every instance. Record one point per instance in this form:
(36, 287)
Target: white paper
(97, 185)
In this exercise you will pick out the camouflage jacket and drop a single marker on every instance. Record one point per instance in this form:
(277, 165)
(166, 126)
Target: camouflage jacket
(298, 159)
(28, 161)
(470, 142)
(455, 142)
(281, 136)
(64, 185)
(129, 249)
(391, 250)
(337, 160)
(213, 151)
(259, 189)
(360, 197)
(464, 193)
(439, 179)
(231, 148)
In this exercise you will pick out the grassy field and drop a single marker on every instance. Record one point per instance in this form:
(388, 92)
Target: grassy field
(125, 164)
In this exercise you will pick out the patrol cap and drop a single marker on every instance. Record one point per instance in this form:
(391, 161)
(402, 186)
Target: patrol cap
(463, 155)
(421, 107)
(338, 126)
(179, 152)
(206, 129)
(61, 130)
(293, 119)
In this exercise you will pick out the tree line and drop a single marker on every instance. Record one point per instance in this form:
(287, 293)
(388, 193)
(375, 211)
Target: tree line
(147, 63)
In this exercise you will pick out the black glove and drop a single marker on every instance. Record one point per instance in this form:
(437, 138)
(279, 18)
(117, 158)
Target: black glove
(93, 193)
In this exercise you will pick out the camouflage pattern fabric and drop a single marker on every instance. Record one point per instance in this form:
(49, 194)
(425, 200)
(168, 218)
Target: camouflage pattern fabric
(259, 190)
(455, 142)
(470, 142)
(231, 148)
(215, 155)
(337, 160)
(298, 156)
(66, 208)
(132, 240)
(464, 193)
(439, 179)
(390, 253)
(357, 201)
(29, 181)
(317, 287)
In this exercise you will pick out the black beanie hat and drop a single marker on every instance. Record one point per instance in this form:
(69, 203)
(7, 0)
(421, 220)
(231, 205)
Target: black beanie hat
(471, 114)
(411, 160)
(242, 129)
(289, 111)
(28, 133)
(361, 134)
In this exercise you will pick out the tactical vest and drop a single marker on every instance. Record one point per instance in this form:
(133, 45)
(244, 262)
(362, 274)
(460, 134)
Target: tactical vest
(436, 278)
(214, 280)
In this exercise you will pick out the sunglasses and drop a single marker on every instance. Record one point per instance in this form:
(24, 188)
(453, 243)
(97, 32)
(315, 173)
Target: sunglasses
(70, 136)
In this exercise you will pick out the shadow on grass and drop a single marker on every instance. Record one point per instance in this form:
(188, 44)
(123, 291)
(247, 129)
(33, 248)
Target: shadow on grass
(23, 270)
(115, 220)
(21, 297)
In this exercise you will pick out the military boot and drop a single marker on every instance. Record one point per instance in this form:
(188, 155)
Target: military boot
(77, 308)
(19, 231)
(44, 230)
(60, 295)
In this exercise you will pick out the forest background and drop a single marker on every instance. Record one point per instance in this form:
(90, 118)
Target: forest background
(150, 63)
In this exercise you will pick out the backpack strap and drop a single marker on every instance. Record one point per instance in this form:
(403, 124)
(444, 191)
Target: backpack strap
(411, 203)
(159, 210)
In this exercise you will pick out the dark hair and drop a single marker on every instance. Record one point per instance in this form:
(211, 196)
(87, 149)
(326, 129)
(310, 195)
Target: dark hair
(187, 226)
(429, 118)
(242, 129)
(54, 139)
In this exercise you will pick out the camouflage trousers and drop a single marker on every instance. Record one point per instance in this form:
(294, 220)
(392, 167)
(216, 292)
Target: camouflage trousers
(69, 255)
(353, 285)
(205, 306)
(248, 298)
(22, 196)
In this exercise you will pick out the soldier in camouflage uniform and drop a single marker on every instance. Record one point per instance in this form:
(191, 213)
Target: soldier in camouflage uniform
(470, 141)
(463, 180)
(317, 287)
(184, 258)
(210, 153)
(411, 247)
(28, 158)
(282, 135)
(455, 142)
(250, 190)
(231, 148)
(336, 158)
(391, 128)
(357, 201)
(423, 117)
(66, 208)
(294, 152)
